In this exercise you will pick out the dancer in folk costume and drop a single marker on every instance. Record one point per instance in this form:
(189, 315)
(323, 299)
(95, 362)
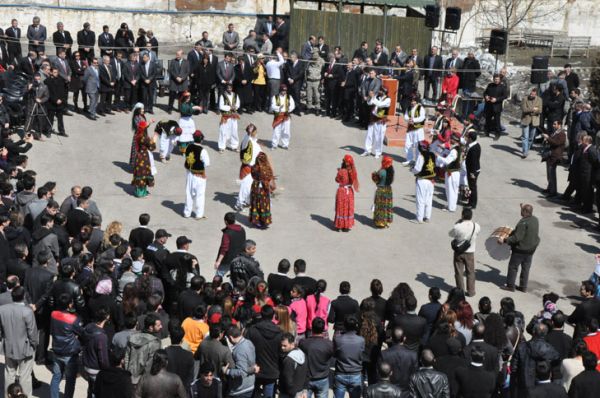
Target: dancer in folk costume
(188, 127)
(376, 130)
(424, 171)
(414, 132)
(137, 117)
(260, 194)
(347, 179)
(144, 169)
(250, 149)
(168, 132)
(196, 162)
(229, 103)
(450, 162)
(384, 201)
(281, 106)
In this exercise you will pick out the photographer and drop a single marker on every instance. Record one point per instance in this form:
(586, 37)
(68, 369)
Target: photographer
(465, 230)
(553, 154)
(4, 115)
(58, 101)
(15, 148)
(37, 119)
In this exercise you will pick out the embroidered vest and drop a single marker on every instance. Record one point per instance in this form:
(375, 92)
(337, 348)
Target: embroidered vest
(455, 165)
(428, 169)
(193, 159)
(286, 103)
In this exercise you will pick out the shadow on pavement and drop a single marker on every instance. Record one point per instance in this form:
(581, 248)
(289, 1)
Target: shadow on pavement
(364, 220)
(587, 248)
(526, 184)
(492, 275)
(433, 281)
(402, 212)
(506, 148)
(228, 199)
(122, 165)
(324, 221)
(176, 207)
(126, 187)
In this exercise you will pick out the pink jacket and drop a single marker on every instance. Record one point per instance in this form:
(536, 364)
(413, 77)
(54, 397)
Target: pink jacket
(322, 311)
(298, 306)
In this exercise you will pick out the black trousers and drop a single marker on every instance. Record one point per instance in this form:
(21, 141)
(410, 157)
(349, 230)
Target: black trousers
(58, 113)
(332, 99)
(83, 97)
(148, 96)
(349, 104)
(516, 260)
(295, 93)
(433, 83)
(203, 94)
(260, 96)
(473, 187)
(172, 96)
(492, 120)
(130, 95)
(106, 101)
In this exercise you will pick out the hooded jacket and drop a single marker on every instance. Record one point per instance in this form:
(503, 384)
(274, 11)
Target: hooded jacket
(525, 359)
(241, 377)
(266, 337)
(113, 383)
(138, 356)
(44, 239)
(95, 349)
(294, 370)
(23, 198)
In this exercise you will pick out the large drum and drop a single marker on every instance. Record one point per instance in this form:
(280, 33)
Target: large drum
(498, 251)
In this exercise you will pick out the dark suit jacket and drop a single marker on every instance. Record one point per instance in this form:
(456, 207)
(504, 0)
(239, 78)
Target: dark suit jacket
(39, 36)
(5, 59)
(177, 70)
(6, 253)
(59, 40)
(437, 64)
(131, 71)
(181, 362)
(585, 384)
(323, 51)
(404, 363)
(458, 64)
(152, 72)
(548, 390)
(449, 365)
(282, 37)
(141, 237)
(280, 284)
(475, 382)
(295, 73)
(194, 58)
(472, 159)
(77, 218)
(490, 361)
(105, 43)
(414, 327)
(86, 39)
(13, 46)
(383, 60)
(586, 310)
(38, 283)
(106, 79)
(339, 309)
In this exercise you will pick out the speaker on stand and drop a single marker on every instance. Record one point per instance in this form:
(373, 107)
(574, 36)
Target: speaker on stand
(539, 70)
(498, 43)
(432, 16)
(452, 18)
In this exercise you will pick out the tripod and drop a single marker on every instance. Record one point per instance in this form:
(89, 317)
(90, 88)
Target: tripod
(36, 111)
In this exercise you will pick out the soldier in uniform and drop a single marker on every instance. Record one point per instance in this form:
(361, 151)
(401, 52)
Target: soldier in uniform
(414, 133)
(196, 161)
(376, 130)
(249, 151)
(168, 130)
(281, 106)
(451, 162)
(229, 103)
(424, 171)
(313, 80)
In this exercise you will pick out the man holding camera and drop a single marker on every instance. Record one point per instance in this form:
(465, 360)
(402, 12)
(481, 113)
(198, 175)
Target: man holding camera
(36, 109)
(464, 234)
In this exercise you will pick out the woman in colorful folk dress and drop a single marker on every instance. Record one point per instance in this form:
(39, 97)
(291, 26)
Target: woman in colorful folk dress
(260, 193)
(383, 178)
(144, 169)
(138, 116)
(344, 198)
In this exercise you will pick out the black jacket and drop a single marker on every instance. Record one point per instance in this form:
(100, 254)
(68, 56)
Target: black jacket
(472, 159)
(548, 390)
(266, 337)
(38, 282)
(77, 218)
(449, 365)
(65, 328)
(309, 284)
(469, 73)
(339, 309)
(586, 310)
(95, 347)
(490, 360)
(414, 326)
(427, 382)
(438, 64)
(497, 91)
(186, 303)
(58, 91)
(294, 370)
(105, 43)
(475, 382)
(562, 343)
(585, 384)
(113, 383)
(141, 237)
(69, 287)
(319, 351)
(245, 267)
(181, 362)
(107, 78)
(404, 362)
(525, 358)
(384, 389)
(280, 284)
(59, 40)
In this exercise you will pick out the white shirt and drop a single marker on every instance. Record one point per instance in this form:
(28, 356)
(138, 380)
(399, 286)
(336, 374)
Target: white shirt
(226, 108)
(444, 161)
(379, 102)
(411, 114)
(274, 67)
(462, 232)
(281, 107)
(256, 149)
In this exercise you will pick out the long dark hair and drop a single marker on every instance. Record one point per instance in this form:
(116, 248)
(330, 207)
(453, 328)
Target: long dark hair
(321, 287)
(184, 267)
(159, 361)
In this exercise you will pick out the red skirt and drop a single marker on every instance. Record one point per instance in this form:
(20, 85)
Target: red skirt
(344, 208)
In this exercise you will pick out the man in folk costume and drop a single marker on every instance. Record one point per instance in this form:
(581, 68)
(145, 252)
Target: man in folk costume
(281, 106)
(376, 130)
(168, 130)
(414, 133)
(424, 171)
(249, 151)
(229, 103)
(196, 161)
(451, 163)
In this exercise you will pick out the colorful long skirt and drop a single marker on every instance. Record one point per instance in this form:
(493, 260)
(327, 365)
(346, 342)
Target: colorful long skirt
(344, 208)
(132, 153)
(383, 207)
(260, 205)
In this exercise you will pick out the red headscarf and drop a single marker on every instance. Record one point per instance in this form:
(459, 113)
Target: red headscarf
(386, 162)
(349, 162)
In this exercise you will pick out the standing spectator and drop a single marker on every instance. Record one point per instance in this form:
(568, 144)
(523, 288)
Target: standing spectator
(556, 145)
(115, 381)
(95, 348)
(587, 383)
(307, 48)
(323, 48)
(158, 382)
(118, 65)
(280, 283)
(212, 351)
(294, 369)
(294, 71)
(76, 85)
(20, 339)
(267, 45)
(313, 80)
(250, 42)
(348, 352)
(494, 94)
(554, 106)
(152, 41)
(432, 65)
(179, 70)
(588, 309)
(332, 75)
(281, 34)
(142, 346)
(267, 340)
(62, 39)
(141, 40)
(472, 165)
(231, 39)
(274, 73)
(463, 233)
(204, 82)
(57, 104)
(523, 241)
(475, 381)
(259, 83)
(571, 77)
(468, 80)
(490, 359)
(66, 329)
(14, 43)
(414, 326)
(91, 79)
(319, 351)
(108, 82)
(124, 39)
(86, 39)
(298, 310)
(36, 36)
(427, 382)
(207, 385)
(141, 236)
(241, 377)
(451, 363)
(225, 72)
(181, 361)
(350, 89)
(531, 108)
(243, 84)
(403, 361)
(561, 342)
(195, 327)
(106, 42)
(430, 311)
(342, 307)
(148, 76)
(317, 304)
(131, 81)
(384, 388)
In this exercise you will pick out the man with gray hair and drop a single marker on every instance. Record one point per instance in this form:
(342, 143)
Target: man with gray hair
(108, 80)
(62, 39)
(36, 36)
(523, 241)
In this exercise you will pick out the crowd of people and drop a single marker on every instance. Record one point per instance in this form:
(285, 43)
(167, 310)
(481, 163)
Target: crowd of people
(88, 298)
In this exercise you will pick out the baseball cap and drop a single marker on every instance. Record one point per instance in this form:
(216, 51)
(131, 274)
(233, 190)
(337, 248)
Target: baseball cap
(161, 233)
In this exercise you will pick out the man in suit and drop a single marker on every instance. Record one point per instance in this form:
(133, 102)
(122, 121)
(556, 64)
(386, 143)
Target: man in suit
(62, 39)
(332, 77)
(20, 335)
(108, 81)
(205, 42)
(451, 362)
(380, 59)
(194, 58)
(4, 58)
(454, 62)
(545, 386)
(414, 326)
(267, 45)
(432, 65)
(225, 72)
(281, 36)
(403, 361)
(417, 59)
(472, 165)
(213, 60)
(294, 75)
(36, 35)
(279, 282)
(369, 83)
(342, 307)
(14, 43)
(350, 87)
(267, 26)
(118, 66)
(475, 381)
(587, 309)
(148, 75)
(179, 70)
(61, 63)
(306, 52)
(131, 80)
(58, 100)
(362, 52)
(78, 217)
(91, 79)
(106, 42)
(86, 39)
(231, 39)
(243, 84)
(490, 359)
(586, 383)
(399, 55)
(141, 236)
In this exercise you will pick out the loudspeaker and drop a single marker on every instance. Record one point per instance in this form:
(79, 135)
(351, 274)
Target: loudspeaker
(452, 18)
(432, 16)
(498, 41)
(539, 76)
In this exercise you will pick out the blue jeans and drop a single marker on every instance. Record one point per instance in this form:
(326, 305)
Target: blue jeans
(527, 137)
(66, 366)
(351, 382)
(318, 387)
